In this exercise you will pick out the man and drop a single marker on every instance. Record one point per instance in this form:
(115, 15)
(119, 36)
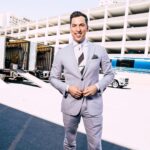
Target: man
(82, 90)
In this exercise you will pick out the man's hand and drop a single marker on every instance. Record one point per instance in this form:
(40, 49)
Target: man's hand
(90, 90)
(74, 91)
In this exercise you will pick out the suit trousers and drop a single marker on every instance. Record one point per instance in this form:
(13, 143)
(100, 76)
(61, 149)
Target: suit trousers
(92, 124)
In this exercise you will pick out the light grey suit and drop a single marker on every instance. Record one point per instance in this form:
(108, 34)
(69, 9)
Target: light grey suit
(89, 107)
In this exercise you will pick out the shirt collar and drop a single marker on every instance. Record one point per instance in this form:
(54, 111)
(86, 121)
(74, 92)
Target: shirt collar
(84, 43)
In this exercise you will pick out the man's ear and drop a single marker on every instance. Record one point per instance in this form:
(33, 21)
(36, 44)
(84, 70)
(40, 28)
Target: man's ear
(87, 28)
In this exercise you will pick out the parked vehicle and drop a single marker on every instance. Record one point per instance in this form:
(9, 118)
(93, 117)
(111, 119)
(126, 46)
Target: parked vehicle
(119, 81)
(42, 74)
(44, 59)
(16, 55)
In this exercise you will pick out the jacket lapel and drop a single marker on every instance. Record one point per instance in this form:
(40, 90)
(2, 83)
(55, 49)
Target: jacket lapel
(73, 60)
(89, 57)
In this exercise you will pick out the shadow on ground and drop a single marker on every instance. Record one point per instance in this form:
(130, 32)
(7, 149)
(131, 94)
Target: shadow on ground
(21, 131)
(24, 82)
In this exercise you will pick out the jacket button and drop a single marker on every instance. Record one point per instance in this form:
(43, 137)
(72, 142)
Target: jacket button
(82, 79)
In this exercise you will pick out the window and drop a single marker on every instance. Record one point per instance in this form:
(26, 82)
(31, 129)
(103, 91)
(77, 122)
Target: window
(125, 63)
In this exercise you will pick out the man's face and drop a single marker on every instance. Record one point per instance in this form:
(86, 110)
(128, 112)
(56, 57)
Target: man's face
(78, 28)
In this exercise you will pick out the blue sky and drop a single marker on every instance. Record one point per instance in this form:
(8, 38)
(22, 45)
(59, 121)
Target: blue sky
(38, 9)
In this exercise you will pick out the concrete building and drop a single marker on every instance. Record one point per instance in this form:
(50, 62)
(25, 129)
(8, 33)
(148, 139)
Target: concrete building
(109, 2)
(10, 20)
(122, 28)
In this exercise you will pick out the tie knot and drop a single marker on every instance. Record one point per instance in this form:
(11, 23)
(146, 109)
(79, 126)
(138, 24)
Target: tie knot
(79, 47)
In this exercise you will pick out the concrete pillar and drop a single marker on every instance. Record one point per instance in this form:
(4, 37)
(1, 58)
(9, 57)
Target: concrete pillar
(36, 30)
(147, 37)
(46, 32)
(58, 32)
(57, 36)
(27, 32)
(19, 29)
(125, 28)
(105, 25)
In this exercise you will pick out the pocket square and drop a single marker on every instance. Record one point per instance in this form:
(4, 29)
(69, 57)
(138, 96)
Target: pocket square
(94, 57)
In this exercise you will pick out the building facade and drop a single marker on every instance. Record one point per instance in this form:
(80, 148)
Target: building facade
(122, 28)
(10, 20)
(109, 2)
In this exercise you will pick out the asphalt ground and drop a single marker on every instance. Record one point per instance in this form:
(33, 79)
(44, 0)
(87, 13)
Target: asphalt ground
(22, 131)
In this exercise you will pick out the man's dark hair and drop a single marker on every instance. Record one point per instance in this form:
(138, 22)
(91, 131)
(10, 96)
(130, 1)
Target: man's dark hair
(78, 14)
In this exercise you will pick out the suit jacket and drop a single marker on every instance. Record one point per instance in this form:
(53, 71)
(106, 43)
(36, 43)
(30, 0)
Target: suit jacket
(65, 60)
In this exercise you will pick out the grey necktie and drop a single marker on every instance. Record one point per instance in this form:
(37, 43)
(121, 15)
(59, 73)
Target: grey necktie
(80, 60)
